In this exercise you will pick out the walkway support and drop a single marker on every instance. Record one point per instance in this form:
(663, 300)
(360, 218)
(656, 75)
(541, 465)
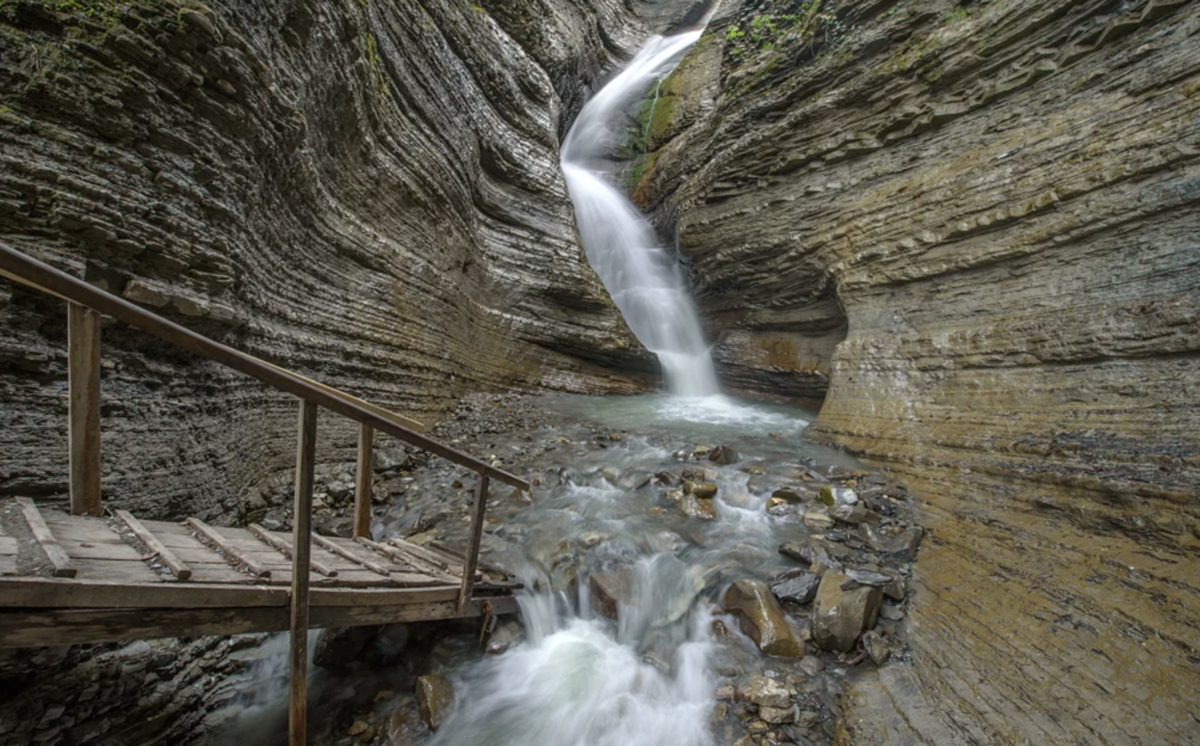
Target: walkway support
(83, 371)
(363, 486)
(306, 455)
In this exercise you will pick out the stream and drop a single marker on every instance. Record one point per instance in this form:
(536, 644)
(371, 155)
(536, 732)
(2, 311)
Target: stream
(648, 515)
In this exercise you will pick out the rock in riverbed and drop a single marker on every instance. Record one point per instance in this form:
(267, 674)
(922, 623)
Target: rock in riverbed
(723, 455)
(798, 590)
(844, 608)
(762, 619)
(435, 696)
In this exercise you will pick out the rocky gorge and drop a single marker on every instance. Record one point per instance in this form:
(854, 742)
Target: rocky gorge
(966, 231)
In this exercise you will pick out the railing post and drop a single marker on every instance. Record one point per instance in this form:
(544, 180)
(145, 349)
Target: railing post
(362, 492)
(83, 372)
(302, 547)
(471, 558)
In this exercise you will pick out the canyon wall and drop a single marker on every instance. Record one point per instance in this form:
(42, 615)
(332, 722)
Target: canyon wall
(367, 193)
(982, 222)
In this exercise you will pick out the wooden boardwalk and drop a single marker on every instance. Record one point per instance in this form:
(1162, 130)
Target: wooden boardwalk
(152, 579)
(100, 580)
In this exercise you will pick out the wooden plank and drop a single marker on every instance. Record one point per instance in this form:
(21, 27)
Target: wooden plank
(23, 628)
(123, 570)
(420, 561)
(345, 553)
(34, 272)
(363, 488)
(181, 571)
(286, 549)
(102, 594)
(474, 537)
(42, 534)
(83, 432)
(306, 457)
(457, 554)
(393, 553)
(210, 534)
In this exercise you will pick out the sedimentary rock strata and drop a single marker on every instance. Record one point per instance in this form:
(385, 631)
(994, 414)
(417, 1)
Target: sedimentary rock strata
(367, 193)
(980, 222)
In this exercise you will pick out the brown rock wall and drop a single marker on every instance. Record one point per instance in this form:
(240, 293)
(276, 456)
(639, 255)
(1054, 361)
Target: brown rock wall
(998, 203)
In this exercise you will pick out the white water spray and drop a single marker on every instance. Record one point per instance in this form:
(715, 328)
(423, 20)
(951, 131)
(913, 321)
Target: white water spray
(643, 278)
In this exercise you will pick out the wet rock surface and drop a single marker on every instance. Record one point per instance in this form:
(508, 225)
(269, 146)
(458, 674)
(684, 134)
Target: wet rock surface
(926, 194)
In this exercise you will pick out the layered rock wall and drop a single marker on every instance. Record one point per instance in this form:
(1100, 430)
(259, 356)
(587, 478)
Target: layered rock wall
(996, 205)
(367, 193)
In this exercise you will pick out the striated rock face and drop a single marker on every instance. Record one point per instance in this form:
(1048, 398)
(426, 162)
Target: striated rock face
(980, 222)
(367, 193)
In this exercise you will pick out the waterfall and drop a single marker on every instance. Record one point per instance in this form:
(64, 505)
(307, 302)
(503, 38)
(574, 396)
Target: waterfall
(643, 278)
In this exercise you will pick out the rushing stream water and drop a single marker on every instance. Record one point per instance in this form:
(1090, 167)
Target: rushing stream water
(643, 278)
(624, 637)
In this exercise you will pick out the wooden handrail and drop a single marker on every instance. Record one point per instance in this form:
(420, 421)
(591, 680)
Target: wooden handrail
(41, 276)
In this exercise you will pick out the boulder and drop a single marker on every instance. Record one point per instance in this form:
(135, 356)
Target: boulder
(608, 590)
(724, 455)
(505, 636)
(831, 495)
(788, 494)
(766, 692)
(798, 590)
(854, 514)
(694, 506)
(387, 459)
(706, 490)
(843, 610)
(699, 474)
(435, 697)
(762, 619)
(901, 546)
(339, 648)
(818, 520)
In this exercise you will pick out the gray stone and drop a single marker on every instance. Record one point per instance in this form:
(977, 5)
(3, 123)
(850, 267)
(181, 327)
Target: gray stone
(724, 455)
(876, 647)
(766, 692)
(840, 616)
(387, 459)
(797, 590)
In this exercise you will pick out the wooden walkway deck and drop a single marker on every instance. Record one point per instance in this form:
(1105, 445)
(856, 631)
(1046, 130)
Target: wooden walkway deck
(92, 580)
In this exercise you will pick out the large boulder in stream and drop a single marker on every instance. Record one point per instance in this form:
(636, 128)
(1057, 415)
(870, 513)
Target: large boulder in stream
(694, 506)
(844, 609)
(763, 619)
(607, 590)
(435, 697)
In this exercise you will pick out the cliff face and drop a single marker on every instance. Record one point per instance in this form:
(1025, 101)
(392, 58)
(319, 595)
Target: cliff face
(367, 193)
(995, 204)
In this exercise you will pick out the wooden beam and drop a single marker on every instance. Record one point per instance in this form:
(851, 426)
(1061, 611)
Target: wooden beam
(106, 594)
(181, 571)
(211, 536)
(344, 553)
(306, 456)
(286, 549)
(39, 628)
(474, 537)
(363, 487)
(45, 538)
(83, 374)
(49, 593)
(34, 272)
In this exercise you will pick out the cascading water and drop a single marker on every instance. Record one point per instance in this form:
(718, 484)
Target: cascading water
(643, 278)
